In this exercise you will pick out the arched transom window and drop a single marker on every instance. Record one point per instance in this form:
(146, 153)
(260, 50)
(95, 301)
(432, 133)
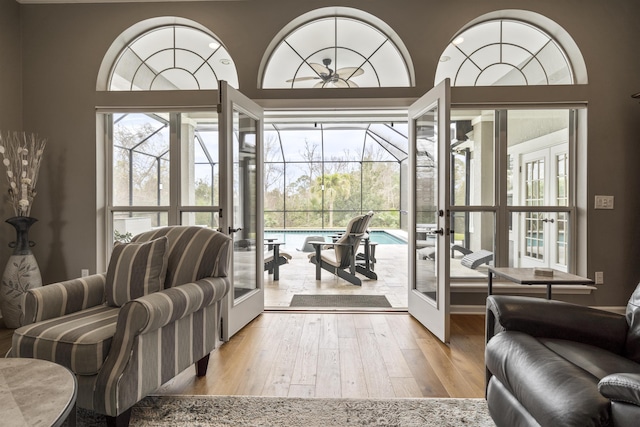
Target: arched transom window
(337, 52)
(504, 53)
(173, 57)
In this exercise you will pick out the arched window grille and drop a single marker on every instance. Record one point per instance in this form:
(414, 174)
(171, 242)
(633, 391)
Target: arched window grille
(173, 57)
(337, 52)
(504, 52)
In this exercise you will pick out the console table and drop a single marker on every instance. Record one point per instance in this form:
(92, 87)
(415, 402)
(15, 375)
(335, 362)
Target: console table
(526, 276)
(36, 392)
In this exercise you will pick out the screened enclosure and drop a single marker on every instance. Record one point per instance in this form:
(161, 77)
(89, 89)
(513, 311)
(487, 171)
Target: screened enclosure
(320, 175)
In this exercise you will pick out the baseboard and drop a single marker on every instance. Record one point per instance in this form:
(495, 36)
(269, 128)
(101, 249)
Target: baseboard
(467, 309)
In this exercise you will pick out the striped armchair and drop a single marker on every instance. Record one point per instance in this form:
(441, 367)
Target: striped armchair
(123, 349)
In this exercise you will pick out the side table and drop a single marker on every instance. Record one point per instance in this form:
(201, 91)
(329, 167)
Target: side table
(526, 276)
(36, 392)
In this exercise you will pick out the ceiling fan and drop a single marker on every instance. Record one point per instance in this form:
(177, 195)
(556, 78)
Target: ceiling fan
(326, 75)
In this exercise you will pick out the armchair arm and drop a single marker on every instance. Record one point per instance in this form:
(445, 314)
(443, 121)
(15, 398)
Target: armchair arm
(58, 299)
(153, 311)
(556, 319)
(621, 387)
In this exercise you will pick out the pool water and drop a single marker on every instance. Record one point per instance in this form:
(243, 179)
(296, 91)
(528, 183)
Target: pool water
(294, 239)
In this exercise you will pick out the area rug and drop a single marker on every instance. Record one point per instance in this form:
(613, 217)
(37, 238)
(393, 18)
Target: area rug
(376, 301)
(250, 411)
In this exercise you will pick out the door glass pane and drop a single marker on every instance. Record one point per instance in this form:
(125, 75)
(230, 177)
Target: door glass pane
(140, 159)
(199, 159)
(244, 203)
(472, 157)
(539, 239)
(472, 244)
(128, 224)
(426, 203)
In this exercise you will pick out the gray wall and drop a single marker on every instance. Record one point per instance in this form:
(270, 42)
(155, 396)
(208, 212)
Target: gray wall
(10, 102)
(63, 45)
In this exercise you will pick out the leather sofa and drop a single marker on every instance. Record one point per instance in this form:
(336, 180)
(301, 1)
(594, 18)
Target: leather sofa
(552, 363)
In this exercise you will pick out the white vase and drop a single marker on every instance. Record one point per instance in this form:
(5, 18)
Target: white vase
(21, 273)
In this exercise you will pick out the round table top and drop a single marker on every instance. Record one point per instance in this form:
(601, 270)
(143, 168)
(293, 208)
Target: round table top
(35, 392)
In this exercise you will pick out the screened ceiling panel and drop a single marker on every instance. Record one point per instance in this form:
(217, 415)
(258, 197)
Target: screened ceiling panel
(174, 57)
(336, 141)
(335, 52)
(504, 52)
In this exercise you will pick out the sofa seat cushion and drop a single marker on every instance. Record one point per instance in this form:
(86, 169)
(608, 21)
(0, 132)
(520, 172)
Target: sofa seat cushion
(80, 341)
(555, 390)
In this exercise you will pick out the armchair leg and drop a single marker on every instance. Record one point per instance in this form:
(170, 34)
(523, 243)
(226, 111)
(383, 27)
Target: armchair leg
(121, 420)
(201, 366)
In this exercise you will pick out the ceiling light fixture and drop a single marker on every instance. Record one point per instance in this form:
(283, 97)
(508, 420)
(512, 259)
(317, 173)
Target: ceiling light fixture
(444, 58)
(225, 61)
(214, 45)
(458, 40)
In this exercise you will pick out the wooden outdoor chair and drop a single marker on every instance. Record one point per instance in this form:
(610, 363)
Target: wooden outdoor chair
(339, 257)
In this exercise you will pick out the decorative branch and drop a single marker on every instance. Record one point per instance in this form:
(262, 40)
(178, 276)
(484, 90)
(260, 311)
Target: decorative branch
(21, 154)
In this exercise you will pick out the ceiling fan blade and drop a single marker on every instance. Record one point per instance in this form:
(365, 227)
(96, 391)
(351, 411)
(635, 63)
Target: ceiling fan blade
(348, 72)
(318, 85)
(340, 83)
(302, 79)
(352, 84)
(320, 69)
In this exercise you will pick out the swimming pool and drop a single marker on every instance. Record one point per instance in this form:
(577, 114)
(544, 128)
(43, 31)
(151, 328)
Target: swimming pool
(294, 239)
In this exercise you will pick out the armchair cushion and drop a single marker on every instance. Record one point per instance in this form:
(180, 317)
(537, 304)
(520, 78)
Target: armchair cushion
(136, 269)
(80, 341)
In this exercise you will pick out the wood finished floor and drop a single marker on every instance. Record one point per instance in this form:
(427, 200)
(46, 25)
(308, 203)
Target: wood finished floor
(359, 355)
(315, 354)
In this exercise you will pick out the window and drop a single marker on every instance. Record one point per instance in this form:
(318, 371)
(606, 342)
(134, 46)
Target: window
(173, 57)
(342, 48)
(504, 52)
(147, 150)
(536, 212)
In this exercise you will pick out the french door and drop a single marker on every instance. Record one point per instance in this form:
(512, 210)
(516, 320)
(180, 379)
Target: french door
(241, 199)
(429, 222)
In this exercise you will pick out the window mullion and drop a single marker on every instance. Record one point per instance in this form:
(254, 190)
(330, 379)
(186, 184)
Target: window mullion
(174, 169)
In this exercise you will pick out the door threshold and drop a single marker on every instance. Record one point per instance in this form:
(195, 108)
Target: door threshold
(341, 310)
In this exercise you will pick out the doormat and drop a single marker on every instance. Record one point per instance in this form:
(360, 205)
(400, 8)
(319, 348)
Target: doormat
(340, 301)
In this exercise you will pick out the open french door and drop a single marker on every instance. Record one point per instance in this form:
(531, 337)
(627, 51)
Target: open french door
(429, 223)
(241, 200)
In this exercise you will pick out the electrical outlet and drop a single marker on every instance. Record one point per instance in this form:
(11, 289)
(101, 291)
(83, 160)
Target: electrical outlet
(599, 277)
(84, 272)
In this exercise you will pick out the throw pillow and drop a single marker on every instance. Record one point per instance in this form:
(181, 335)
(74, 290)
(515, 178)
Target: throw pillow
(136, 269)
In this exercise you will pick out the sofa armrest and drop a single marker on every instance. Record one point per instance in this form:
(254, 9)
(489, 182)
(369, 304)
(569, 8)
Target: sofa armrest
(153, 311)
(58, 299)
(623, 387)
(556, 319)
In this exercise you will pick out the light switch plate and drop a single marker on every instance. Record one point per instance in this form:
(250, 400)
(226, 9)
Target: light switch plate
(604, 202)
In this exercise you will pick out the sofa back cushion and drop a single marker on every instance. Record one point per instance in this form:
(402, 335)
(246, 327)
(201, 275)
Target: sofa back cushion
(632, 348)
(194, 253)
(135, 269)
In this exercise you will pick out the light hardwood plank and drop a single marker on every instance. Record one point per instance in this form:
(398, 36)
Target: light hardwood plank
(337, 354)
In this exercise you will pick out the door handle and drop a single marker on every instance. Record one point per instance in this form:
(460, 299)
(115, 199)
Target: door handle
(234, 230)
(439, 231)
(548, 220)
